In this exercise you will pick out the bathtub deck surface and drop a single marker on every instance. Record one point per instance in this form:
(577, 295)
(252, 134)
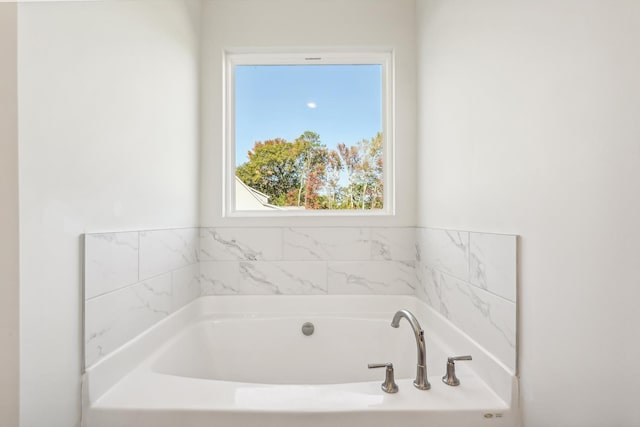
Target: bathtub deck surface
(168, 401)
(148, 390)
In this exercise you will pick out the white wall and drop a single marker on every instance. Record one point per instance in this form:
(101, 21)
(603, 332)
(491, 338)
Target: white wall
(529, 125)
(284, 23)
(9, 272)
(108, 141)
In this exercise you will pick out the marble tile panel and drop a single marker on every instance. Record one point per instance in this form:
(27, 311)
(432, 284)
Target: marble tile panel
(394, 244)
(114, 318)
(432, 292)
(241, 244)
(487, 318)
(445, 250)
(185, 286)
(283, 277)
(372, 277)
(220, 277)
(492, 263)
(327, 243)
(162, 251)
(422, 288)
(110, 262)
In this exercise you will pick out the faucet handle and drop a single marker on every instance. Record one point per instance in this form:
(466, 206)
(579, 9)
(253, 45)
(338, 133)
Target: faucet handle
(450, 378)
(389, 385)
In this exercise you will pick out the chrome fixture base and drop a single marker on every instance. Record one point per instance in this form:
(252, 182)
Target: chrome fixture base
(389, 385)
(450, 378)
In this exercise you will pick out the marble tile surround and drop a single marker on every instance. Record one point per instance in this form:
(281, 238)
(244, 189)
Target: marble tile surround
(135, 279)
(470, 278)
(132, 281)
(317, 261)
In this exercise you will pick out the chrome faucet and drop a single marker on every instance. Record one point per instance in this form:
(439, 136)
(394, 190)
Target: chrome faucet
(421, 381)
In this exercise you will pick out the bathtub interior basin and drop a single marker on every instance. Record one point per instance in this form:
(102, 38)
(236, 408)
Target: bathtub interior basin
(273, 350)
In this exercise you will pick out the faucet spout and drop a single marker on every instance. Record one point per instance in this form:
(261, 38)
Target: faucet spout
(421, 381)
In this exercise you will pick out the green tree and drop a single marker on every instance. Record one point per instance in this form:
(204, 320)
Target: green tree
(273, 168)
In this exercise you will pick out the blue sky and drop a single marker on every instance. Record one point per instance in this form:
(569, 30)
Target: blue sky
(342, 103)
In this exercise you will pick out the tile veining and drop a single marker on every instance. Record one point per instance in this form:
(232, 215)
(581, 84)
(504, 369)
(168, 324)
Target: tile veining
(372, 277)
(284, 277)
(329, 243)
(219, 277)
(240, 244)
(446, 250)
(392, 244)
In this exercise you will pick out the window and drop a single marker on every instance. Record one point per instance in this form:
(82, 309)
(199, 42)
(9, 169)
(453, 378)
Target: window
(308, 133)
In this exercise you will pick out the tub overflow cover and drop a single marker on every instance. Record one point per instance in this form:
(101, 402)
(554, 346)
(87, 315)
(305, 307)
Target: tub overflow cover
(307, 328)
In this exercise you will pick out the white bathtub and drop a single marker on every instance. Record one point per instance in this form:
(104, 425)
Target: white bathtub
(243, 361)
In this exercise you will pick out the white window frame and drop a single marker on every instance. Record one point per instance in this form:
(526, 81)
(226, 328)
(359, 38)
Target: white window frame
(384, 57)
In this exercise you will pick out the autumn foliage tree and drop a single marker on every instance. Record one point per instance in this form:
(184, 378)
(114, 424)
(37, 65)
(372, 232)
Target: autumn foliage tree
(272, 169)
(305, 173)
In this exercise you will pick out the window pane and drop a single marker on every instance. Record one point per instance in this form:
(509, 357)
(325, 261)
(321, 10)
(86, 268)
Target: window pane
(309, 136)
